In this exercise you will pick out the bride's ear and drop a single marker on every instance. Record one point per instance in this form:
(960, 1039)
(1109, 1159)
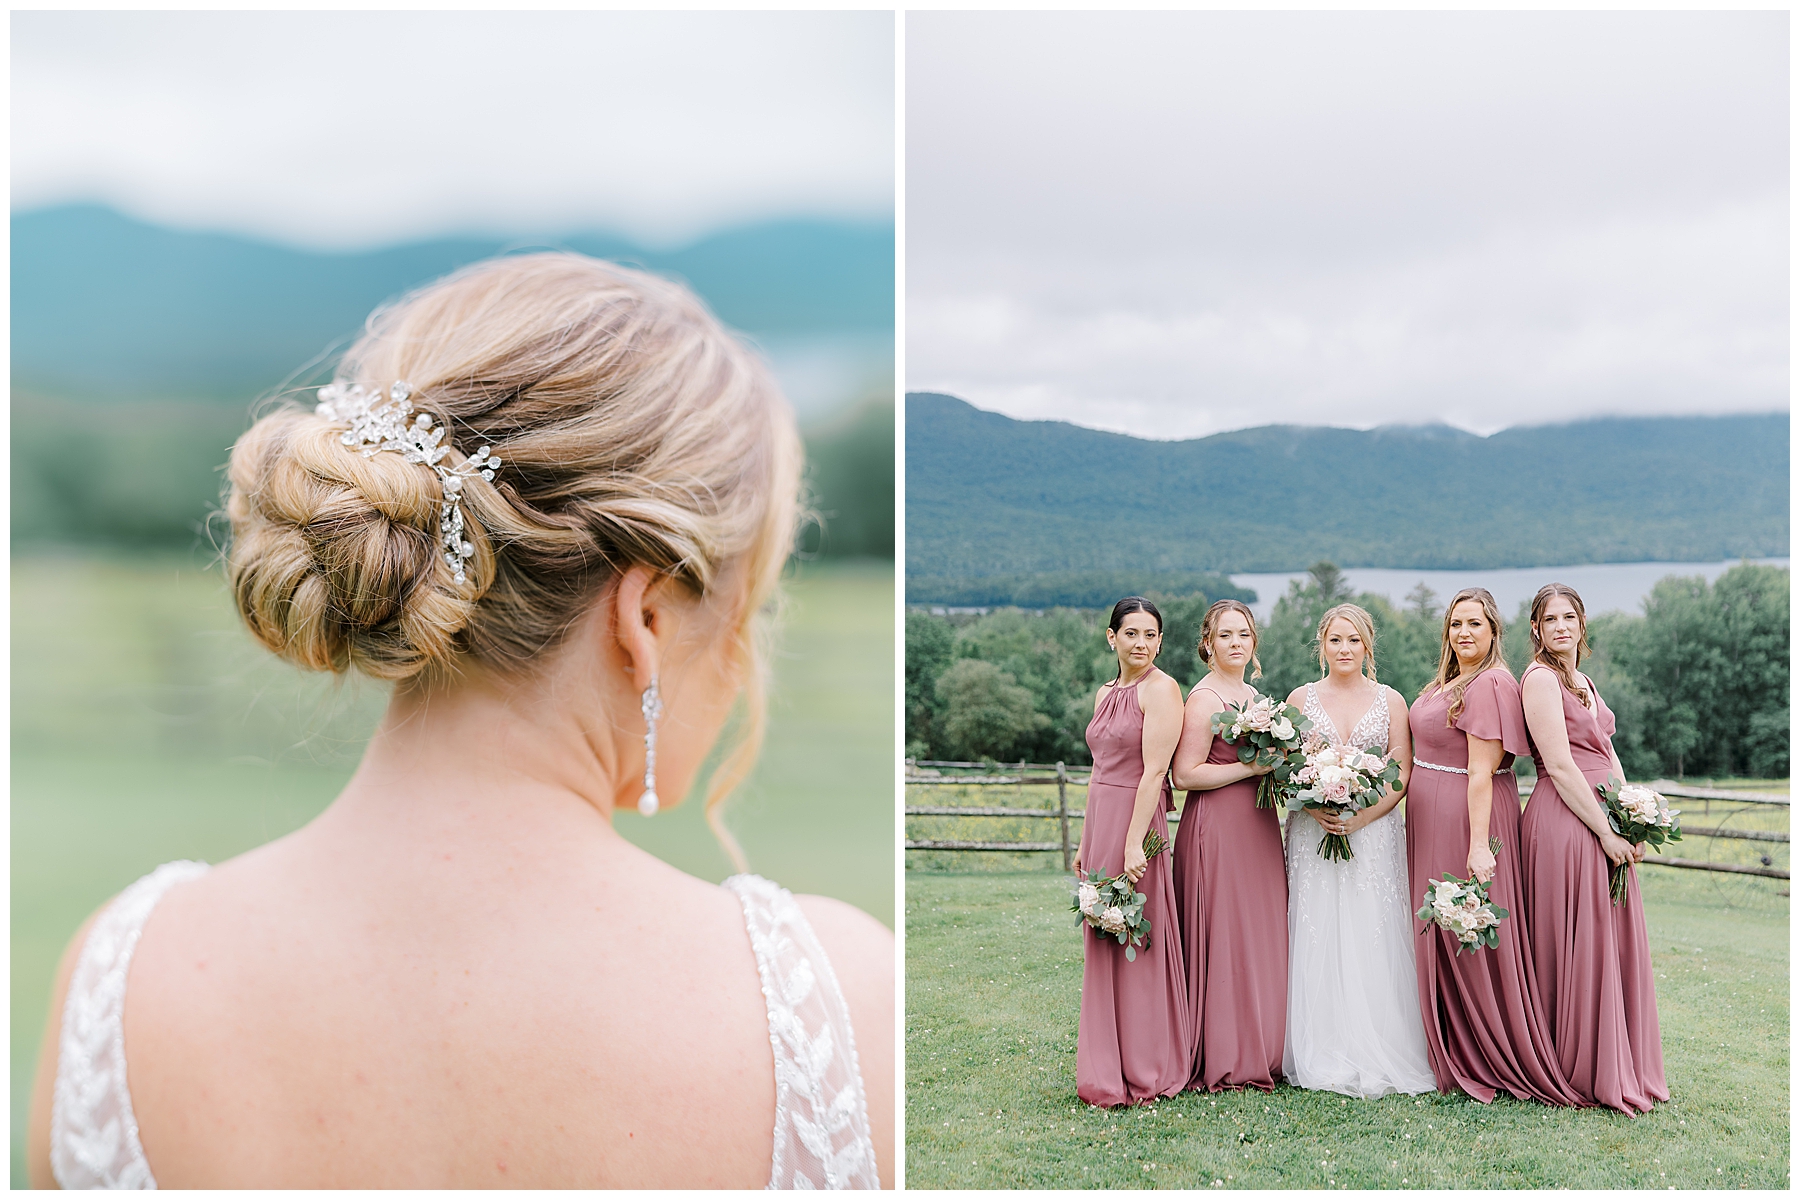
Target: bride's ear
(643, 622)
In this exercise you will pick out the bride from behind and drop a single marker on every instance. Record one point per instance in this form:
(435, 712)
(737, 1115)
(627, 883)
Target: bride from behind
(1353, 1016)
(459, 974)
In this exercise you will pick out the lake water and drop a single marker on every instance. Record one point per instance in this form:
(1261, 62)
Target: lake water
(1603, 586)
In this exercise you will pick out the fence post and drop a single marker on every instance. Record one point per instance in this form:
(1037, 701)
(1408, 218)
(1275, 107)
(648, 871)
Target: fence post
(1062, 808)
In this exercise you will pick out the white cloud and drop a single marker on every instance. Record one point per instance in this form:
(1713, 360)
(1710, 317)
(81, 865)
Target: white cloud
(1174, 224)
(348, 129)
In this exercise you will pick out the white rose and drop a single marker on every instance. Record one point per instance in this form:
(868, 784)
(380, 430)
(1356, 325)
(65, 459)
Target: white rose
(1283, 730)
(1113, 920)
(1088, 895)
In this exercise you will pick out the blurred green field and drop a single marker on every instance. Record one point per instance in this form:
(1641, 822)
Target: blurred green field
(148, 726)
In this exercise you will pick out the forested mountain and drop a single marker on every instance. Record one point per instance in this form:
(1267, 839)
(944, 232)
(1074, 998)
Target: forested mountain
(987, 495)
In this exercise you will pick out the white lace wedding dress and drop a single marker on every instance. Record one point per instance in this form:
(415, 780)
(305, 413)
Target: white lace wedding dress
(821, 1114)
(1353, 1000)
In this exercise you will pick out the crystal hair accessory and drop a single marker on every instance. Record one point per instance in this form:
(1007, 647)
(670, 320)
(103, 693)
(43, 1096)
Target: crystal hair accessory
(377, 422)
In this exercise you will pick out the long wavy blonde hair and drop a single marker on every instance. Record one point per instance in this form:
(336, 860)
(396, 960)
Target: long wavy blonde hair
(1450, 672)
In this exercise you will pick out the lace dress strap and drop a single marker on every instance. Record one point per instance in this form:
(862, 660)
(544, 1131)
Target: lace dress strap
(821, 1114)
(93, 1131)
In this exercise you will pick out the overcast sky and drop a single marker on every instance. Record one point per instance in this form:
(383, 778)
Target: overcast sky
(345, 130)
(1171, 224)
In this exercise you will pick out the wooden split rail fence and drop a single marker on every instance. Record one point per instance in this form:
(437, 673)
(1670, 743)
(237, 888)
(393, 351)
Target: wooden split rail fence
(930, 773)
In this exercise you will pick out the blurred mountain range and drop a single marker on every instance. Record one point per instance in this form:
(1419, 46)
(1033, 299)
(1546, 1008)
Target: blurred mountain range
(108, 307)
(138, 352)
(990, 496)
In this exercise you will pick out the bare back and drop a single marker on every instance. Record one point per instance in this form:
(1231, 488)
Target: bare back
(336, 1009)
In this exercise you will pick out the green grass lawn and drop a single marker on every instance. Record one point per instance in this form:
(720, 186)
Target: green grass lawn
(148, 726)
(993, 987)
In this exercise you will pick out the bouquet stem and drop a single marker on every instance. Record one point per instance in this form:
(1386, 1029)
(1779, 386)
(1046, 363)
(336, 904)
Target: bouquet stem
(1616, 877)
(1336, 846)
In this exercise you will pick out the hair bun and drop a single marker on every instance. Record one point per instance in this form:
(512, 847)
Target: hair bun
(335, 559)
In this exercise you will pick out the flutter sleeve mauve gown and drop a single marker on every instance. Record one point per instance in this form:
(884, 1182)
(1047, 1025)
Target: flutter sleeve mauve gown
(1592, 957)
(1132, 1043)
(1484, 1016)
(1231, 880)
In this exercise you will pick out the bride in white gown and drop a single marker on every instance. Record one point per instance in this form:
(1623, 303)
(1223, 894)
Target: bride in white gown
(1353, 1013)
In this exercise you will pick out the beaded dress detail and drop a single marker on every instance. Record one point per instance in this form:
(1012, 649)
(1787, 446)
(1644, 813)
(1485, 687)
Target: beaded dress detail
(821, 1114)
(93, 1132)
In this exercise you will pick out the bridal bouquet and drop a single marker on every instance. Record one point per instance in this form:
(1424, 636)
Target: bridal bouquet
(1271, 734)
(1462, 906)
(1116, 908)
(1637, 814)
(1343, 780)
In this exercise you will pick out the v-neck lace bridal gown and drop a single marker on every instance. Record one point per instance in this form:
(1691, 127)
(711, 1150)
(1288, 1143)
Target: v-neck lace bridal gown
(1353, 1013)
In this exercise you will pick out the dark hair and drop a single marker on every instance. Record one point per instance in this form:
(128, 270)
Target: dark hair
(1123, 609)
(1129, 605)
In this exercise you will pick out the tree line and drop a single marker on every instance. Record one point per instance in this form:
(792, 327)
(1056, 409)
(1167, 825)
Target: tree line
(1698, 680)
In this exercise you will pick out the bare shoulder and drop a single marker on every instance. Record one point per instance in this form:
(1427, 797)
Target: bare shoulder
(1539, 684)
(1205, 699)
(861, 948)
(1297, 697)
(1162, 687)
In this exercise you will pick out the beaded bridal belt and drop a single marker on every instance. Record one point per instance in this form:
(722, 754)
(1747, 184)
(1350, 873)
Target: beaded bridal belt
(1419, 762)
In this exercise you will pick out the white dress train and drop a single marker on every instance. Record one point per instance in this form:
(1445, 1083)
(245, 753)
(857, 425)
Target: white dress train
(1353, 1021)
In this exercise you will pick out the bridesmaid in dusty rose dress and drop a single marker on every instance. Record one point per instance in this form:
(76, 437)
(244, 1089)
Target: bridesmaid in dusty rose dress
(1484, 1022)
(1230, 877)
(1132, 1043)
(1592, 957)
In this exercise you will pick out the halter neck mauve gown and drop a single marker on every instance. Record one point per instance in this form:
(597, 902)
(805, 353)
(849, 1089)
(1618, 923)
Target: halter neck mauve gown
(1132, 1043)
(1592, 957)
(1231, 880)
(1484, 1016)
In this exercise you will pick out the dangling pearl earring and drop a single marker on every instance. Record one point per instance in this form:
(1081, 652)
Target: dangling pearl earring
(653, 710)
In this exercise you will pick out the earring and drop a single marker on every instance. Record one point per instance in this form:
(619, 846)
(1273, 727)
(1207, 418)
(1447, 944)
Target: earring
(653, 710)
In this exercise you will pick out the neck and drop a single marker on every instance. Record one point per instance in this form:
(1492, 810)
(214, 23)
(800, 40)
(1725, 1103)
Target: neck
(1127, 676)
(1467, 666)
(489, 766)
(1565, 657)
(1352, 678)
(1230, 674)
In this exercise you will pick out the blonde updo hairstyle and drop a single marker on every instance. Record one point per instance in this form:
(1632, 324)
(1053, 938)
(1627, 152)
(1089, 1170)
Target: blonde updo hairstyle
(1211, 621)
(1365, 628)
(632, 430)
